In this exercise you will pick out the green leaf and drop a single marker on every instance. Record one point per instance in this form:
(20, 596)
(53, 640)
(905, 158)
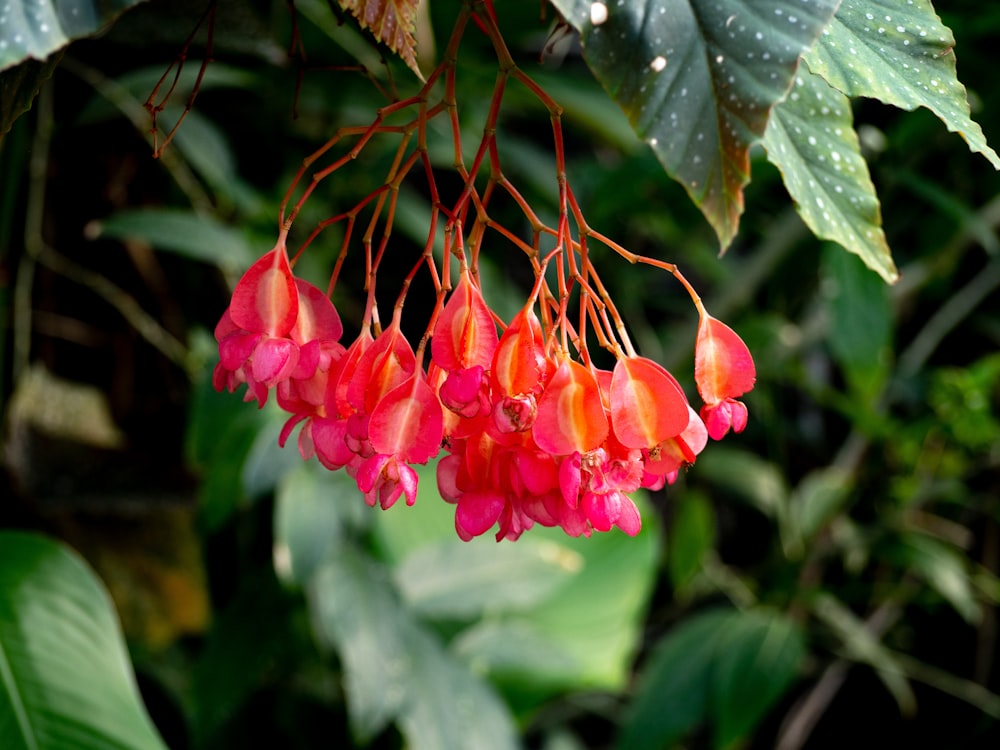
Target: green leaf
(540, 663)
(901, 54)
(395, 670)
(357, 612)
(810, 138)
(464, 581)
(859, 643)
(449, 708)
(721, 667)
(818, 497)
(860, 320)
(759, 653)
(19, 86)
(248, 643)
(698, 81)
(39, 28)
(189, 233)
(945, 570)
(691, 536)
(313, 510)
(65, 676)
(672, 696)
(751, 478)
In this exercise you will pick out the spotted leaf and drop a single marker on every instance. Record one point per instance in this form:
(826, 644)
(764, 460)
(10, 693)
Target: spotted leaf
(698, 81)
(811, 139)
(902, 54)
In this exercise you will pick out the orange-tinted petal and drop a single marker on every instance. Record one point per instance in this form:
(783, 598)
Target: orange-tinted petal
(571, 415)
(465, 335)
(723, 367)
(647, 405)
(519, 359)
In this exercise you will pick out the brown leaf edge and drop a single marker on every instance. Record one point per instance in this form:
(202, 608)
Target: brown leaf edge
(392, 22)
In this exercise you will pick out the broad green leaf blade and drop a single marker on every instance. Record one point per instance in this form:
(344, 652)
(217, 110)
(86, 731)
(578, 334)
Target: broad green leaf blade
(314, 510)
(357, 612)
(450, 708)
(395, 670)
(810, 138)
(723, 667)
(899, 53)
(759, 653)
(253, 641)
(698, 81)
(36, 29)
(448, 580)
(195, 235)
(692, 536)
(672, 697)
(19, 86)
(65, 677)
(861, 321)
(539, 663)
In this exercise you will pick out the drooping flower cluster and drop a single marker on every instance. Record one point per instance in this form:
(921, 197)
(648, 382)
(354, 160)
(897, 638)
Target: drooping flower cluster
(531, 429)
(530, 434)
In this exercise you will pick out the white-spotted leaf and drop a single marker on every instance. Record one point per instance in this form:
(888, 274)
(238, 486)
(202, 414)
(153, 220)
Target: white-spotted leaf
(811, 139)
(698, 81)
(37, 28)
(902, 54)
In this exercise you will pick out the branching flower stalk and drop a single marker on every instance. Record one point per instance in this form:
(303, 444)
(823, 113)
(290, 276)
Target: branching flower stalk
(533, 431)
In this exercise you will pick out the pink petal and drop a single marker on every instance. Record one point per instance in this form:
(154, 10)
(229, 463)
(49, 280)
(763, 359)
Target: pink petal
(317, 319)
(478, 511)
(408, 422)
(571, 415)
(274, 360)
(465, 335)
(266, 299)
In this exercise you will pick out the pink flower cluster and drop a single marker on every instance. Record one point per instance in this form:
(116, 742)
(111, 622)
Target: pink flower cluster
(530, 434)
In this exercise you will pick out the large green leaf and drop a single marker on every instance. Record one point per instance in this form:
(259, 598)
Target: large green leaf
(811, 139)
(692, 536)
(860, 315)
(759, 655)
(37, 28)
(65, 677)
(672, 695)
(723, 667)
(19, 86)
(698, 81)
(194, 235)
(395, 670)
(902, 54)
(451, 580)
